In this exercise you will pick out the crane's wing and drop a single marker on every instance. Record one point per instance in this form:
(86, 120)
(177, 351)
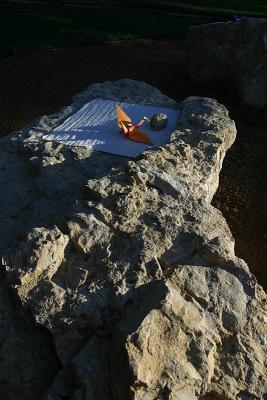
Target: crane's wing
(122, 116)
(139, 136)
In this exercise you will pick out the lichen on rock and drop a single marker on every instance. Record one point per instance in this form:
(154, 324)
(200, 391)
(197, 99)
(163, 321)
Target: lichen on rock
(128, 265)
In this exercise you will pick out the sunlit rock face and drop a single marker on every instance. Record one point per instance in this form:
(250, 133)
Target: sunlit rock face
(125, 265)
(233, 53)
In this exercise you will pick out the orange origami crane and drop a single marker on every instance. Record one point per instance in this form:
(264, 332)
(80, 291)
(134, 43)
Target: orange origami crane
(129, 130)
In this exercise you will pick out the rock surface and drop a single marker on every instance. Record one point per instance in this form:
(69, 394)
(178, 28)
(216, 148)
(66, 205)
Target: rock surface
(126, 266)
(233, 53)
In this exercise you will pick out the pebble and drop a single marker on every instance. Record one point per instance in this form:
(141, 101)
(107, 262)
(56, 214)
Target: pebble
(158, 121)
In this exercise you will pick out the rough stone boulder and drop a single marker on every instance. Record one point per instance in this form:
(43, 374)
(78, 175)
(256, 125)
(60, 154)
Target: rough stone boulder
(236, 53)
(122, 275)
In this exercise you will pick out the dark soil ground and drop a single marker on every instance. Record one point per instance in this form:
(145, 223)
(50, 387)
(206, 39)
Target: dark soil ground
(35, 84)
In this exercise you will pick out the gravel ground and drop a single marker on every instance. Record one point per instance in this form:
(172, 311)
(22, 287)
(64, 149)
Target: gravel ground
(35, 84)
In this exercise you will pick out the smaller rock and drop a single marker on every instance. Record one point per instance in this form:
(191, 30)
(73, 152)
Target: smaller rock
(158, 121)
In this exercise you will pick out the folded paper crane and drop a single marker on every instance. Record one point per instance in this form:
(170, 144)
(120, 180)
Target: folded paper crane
(130, 130)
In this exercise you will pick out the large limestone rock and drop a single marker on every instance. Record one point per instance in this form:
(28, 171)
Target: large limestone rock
(127, 266)
(233, 53)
